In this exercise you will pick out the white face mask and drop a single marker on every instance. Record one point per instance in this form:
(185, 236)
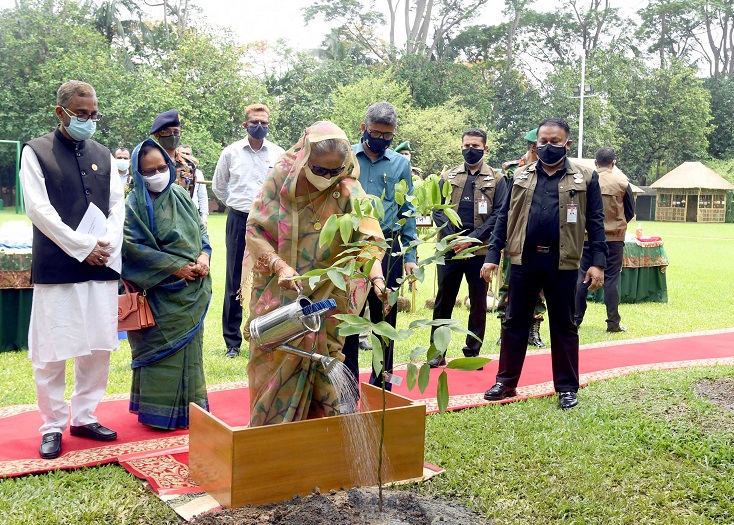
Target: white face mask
(123, 164)
(320, 183)
(158, 182)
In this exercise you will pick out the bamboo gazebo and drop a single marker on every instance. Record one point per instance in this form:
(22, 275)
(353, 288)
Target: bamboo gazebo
(691, 192)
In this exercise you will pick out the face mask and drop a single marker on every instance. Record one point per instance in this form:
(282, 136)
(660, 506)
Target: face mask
(376, 145)
(169, 143)
(472, 156)
(320, 183)
(258, 132)
(158, 182)
(123, 164)
(81, 130)
(551, 155)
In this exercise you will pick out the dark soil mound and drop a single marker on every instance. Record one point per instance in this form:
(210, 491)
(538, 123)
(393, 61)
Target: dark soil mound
(358, 506)
(719, 391)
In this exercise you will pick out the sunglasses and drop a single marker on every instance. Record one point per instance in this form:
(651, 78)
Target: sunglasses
(163, 168)
(323, 172)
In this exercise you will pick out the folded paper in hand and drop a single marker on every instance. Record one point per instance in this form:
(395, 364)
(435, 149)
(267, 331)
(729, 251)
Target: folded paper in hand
(94, 222)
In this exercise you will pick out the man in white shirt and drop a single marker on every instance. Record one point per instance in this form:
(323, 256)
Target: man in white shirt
(75, 273)
(122, 161)
(201, 199)
(238, 178)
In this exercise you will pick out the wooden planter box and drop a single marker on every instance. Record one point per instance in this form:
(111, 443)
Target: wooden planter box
(240, 465)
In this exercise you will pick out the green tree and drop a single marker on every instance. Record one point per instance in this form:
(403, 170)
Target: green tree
(303, 93)
(721, 139)
(669, 27)
(663, 118)
(204, 80)
(40, 50)
(435, 136)
(350, 102)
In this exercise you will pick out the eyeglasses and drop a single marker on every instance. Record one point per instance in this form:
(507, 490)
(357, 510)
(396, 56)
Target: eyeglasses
(163, 168)
(83, 117)
(170, 132)
(323, 172)
(380, 134)
(263, 123)
(553, 143)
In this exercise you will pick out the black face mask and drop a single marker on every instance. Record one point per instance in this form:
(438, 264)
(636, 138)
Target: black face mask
(472, 155)
(376, 145)
(551, 155)
(170, 143)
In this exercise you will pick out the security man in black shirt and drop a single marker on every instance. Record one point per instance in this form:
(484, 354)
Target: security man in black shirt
(542, 223)
(475, 188)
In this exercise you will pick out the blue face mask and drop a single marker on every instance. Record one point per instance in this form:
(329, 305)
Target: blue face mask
(81, 130)
(258, 132)
(377, 146)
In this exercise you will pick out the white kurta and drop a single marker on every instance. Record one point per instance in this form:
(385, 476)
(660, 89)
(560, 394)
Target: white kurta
(71, 320)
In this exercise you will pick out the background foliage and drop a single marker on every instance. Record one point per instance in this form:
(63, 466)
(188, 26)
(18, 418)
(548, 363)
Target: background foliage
(662, 83)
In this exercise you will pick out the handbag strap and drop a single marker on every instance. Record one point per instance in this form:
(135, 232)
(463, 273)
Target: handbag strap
(129, 290)
(130, 287)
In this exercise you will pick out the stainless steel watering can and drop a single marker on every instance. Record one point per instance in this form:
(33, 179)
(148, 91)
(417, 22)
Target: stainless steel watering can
(284, 324)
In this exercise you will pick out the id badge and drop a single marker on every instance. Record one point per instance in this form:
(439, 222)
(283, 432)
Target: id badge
(571, 214)
(483, 206)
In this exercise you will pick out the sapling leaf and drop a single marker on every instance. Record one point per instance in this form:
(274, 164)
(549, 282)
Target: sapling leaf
(423, 376)
(411, 376)
(442, 338)
(442, 392)
(468, 363)
(328, 230)
(377, 354)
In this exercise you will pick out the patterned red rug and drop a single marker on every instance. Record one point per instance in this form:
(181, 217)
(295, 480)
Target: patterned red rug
(19, 438)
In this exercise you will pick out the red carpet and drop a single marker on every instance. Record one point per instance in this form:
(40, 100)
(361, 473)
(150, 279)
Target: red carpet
(19, 438)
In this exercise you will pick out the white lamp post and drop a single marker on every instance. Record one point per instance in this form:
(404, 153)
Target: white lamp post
(581, 92)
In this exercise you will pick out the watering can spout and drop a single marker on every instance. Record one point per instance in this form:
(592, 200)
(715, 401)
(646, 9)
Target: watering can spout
(327, 362)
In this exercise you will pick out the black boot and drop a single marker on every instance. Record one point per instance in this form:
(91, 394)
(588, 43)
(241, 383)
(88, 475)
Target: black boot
(534, 334)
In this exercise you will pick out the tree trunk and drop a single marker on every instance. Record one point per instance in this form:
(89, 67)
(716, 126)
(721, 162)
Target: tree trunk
(511, 39)
(661, 44)
(393, 10)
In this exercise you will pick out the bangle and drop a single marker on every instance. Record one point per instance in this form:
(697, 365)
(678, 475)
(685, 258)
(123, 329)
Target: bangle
(274, 262)
(377, 278)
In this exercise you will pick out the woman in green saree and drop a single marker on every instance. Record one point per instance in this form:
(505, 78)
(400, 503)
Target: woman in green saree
(166, 252)
(315, 179)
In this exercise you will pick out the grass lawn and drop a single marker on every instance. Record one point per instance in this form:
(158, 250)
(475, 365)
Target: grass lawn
(639, 449)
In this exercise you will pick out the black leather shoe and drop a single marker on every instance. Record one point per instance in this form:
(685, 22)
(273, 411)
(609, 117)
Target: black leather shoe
(499, 391)
(93, 431)
(232, 352)
(437, 361)
(567, 400)
(615, 329)
(50, 445)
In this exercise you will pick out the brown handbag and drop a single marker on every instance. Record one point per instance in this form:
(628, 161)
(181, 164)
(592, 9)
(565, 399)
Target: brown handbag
(133, 310)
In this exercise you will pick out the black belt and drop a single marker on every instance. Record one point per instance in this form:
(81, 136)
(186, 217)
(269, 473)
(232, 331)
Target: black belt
(238, 212)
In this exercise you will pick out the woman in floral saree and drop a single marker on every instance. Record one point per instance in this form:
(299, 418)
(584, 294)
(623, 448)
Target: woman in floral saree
(315, 179)
(166, 252)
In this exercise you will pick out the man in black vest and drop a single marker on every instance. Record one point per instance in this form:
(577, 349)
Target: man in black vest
(477, 191)
(541, 225)
(67, 177)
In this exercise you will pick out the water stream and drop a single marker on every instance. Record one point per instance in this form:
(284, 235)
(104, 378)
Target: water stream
(361, 434)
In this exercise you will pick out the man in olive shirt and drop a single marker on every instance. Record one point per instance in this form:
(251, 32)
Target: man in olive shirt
(619, 208)
(542, 223)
